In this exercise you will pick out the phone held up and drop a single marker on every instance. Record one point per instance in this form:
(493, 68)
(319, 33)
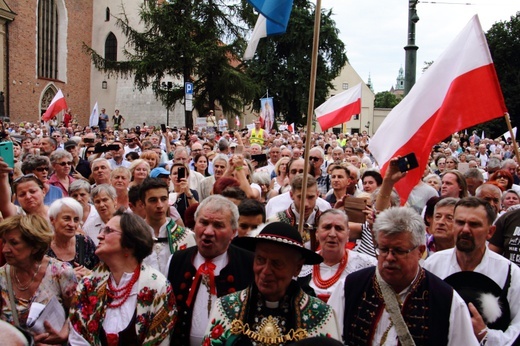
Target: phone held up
(181, 173)
(407, 162)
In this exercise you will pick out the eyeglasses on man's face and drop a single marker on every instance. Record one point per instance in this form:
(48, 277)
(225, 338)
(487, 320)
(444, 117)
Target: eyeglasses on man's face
(397, 252)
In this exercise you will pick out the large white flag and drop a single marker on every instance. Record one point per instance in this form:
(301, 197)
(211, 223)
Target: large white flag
(94, 116)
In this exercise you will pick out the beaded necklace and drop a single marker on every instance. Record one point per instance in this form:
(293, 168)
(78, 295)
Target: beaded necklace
(122, 294)
(323, 284)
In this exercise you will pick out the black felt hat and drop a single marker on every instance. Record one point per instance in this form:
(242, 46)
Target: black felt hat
(485, 294)
(283, 234)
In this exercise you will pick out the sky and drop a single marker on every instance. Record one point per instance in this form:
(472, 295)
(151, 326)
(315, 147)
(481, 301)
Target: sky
(375, 31)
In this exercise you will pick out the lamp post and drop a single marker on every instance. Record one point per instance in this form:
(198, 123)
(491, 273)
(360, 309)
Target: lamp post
(410, 65)
(168, 87)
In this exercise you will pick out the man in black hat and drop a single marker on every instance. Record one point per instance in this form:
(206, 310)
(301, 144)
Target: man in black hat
(398, 302)
(473, 227)
(273, 310)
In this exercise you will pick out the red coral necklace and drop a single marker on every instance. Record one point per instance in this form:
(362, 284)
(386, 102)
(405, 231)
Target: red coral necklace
(122, 294)
(323, 284)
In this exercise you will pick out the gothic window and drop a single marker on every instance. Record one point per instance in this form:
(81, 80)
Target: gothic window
(111, 47)
(47, 39)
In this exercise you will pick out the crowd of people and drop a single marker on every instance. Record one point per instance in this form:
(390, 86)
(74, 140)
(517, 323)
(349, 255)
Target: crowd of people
(157, 236)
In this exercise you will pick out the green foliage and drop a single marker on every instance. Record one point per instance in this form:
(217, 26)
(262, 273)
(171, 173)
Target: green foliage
(282, 64)
(192, 40)
(386, 99)
(504, 43)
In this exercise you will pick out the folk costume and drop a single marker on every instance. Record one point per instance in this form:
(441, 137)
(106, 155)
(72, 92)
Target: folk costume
(321, 280)
(501, 271)
(145, 317)
(172, 238)
(291, 216)
(247, 318)
(432, 312)
(197, 286)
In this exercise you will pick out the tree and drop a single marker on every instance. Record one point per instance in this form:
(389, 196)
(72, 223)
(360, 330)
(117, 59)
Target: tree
(386, 99)
(282, 64)
(504, 44)
(192, 40)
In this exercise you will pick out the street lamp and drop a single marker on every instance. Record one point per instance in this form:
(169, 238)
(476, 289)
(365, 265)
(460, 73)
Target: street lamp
(410, 65)
(168, 87)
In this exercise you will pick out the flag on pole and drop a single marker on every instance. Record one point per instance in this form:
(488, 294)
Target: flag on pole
(291, 128)
(443, 101)
(483, 135)
(268, 23)
(94, 116)
(57, 105)
(339, 108)
(507, 135)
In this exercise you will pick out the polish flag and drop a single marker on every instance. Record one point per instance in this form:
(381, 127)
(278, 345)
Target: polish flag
(339, 108)
(57, 105)
(459, 90)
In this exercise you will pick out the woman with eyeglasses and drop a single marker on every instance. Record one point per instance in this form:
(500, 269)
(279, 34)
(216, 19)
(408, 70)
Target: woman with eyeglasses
(332, 234)
(123, 301)
(31, 277)
(503, 178)
(61, 161)
(40, 166)
(67, 244)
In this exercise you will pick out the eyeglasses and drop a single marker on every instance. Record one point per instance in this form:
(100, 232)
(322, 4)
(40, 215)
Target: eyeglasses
(63, 164)
(501, 177)
(25, 178)
(395, 252)
(314, 158)
(41, 169)
(107, 230)
(296, 171)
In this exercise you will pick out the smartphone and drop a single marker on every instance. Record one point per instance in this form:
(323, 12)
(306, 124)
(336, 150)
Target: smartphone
(407, 162)
(7, 153)
(181, 173)
(261, 160)
(163, 128)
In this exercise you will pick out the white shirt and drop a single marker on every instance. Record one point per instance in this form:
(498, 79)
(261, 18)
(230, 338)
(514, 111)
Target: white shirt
(93, 225)
(200, 317)
(460, 332)
(444, 263)
(283, 201)
(160, 257)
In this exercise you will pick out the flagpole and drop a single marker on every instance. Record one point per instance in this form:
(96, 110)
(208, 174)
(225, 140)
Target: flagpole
(310, 112)
(515, 146)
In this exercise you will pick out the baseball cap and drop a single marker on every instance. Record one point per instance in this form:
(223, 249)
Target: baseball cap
(158, 172)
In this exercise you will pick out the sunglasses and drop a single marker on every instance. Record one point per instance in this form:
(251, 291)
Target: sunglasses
(314, 158)
(41, 169)
(26, 178)
(296, 171)
(63, 164)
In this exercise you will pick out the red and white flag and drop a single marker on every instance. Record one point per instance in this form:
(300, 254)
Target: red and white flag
(57, 105)
(459, 90)
(290, 128)
(339, 108)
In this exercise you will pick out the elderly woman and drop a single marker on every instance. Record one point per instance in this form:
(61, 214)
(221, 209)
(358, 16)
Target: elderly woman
(123, 301)
(332, 235)
(434, 181)
(263, 179)
(31, 277)
(61, 161)
(120, 180)
(452, 163)
(80, 191)
(509, 199)
(140, 170)
(67, 245)
(41, 166)
(104, 198)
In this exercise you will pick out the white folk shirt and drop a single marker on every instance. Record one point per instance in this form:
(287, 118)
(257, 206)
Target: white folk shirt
(444, 263)
(460, 332)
